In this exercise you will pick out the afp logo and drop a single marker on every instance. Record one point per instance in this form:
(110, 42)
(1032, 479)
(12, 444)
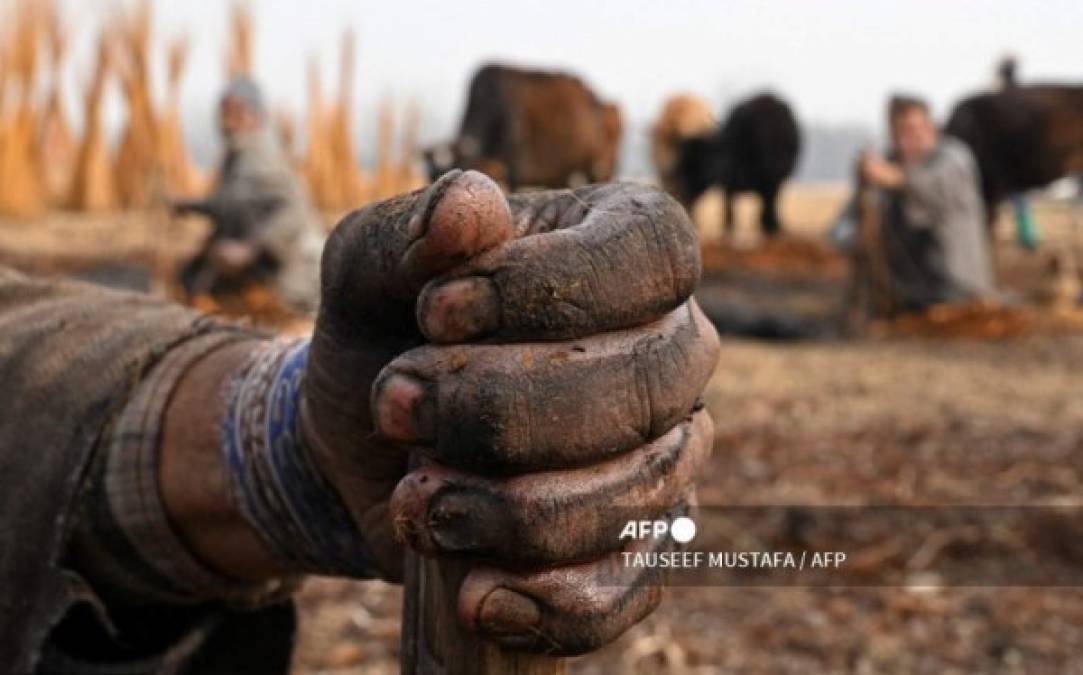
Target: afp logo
(682, 529)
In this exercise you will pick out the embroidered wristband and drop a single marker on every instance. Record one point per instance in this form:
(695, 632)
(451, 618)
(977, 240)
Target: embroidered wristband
(273, 478)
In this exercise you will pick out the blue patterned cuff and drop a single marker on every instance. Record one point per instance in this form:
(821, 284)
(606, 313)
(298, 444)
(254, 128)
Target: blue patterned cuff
(273, 478)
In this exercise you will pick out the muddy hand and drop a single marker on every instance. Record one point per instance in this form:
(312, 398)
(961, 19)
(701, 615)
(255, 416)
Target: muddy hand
(375, 263)
(561, 393)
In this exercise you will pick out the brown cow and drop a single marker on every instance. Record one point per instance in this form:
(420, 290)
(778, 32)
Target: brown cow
(683, 116)
(531, 128)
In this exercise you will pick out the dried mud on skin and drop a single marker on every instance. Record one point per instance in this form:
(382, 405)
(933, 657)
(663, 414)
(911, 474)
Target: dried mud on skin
(907, 421)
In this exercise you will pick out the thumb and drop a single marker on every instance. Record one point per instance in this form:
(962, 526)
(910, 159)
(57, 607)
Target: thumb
(378, 258)
(375, 263)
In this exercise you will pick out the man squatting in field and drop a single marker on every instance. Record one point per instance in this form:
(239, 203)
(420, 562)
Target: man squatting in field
(265, 227)
(933, 230)
(168, 479)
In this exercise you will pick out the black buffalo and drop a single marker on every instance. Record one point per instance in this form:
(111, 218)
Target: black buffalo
(754, 150)
(1022, 137)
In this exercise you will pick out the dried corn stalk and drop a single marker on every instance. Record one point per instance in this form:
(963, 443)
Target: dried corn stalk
(139, 167)
(385, 169)
(348, 184)
(181, 176)
(409, 177)
(58, 146)
(239, 56)
(331, 168)
(93, 187)
(22, 190)
(317, 167)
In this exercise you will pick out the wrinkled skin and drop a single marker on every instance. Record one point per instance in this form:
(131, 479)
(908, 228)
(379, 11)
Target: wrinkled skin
(542, 353)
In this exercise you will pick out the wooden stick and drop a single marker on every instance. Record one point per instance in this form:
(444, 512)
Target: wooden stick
(434, 640)
(872, 241)
(870, 291)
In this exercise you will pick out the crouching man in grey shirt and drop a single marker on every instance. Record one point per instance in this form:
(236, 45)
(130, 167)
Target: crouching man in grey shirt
(935, 244)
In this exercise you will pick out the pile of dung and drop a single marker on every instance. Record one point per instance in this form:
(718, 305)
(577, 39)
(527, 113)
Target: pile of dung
(981, 321)
(783, 256)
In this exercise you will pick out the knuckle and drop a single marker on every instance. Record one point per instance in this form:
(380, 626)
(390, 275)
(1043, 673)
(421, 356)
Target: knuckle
(663, 363)
(638, 258)
(482, 420)
(600, 620)
(677, 248)
(549, 295)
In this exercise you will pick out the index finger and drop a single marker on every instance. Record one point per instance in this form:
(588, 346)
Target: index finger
(597, 259)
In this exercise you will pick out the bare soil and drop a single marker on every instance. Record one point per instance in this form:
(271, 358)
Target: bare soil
(909, 420)
(901, 421)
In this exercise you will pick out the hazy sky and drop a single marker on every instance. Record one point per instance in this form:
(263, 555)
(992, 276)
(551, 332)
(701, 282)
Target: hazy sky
(835, 61)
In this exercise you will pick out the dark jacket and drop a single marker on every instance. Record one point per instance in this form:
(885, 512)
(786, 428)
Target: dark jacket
(70, 355)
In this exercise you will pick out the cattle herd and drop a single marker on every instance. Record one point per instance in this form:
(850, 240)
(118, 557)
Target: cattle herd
(546, 129)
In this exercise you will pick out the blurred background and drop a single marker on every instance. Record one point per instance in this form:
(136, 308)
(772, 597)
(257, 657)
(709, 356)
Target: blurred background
(837, 64)
(109, 118)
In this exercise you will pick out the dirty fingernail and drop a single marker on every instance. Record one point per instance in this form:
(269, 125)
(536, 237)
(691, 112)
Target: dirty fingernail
(464, 520)
(505, 612)
(407, 507)
(405, 409)
(459, 310)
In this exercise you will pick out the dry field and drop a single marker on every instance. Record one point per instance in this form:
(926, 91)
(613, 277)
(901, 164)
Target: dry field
(890, 420)
(878, 422)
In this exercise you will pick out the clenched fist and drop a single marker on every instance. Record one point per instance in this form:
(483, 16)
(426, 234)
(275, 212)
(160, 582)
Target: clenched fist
(542, 354)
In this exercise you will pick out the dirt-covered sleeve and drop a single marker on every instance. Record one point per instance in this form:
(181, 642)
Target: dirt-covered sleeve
(70, 356)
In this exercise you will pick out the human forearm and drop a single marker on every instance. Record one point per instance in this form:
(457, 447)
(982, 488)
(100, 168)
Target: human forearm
(456, 324)
(131, 546)
(883, 174)
(204, 491)
(193, 479)
(258, 505)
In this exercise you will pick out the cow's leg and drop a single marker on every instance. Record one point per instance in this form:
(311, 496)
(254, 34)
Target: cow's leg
(729, 223)
(991, 234)
(511, 151)
(512, 173)
(769, 211)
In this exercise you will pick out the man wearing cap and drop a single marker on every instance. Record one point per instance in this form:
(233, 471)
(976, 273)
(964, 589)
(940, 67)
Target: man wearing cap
(265, 228)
